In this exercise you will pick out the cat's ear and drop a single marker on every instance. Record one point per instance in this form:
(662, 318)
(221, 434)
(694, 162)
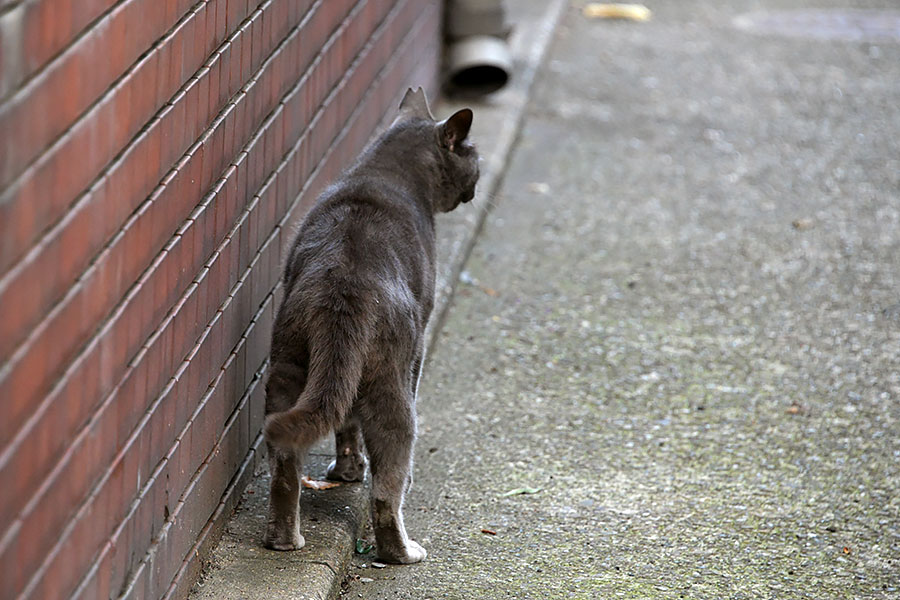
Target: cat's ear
(455, 129)
(415, 104)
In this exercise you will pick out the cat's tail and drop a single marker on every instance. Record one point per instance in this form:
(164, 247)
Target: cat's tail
(336, 363)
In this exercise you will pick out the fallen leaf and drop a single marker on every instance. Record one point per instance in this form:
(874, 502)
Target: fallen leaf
(796, 409)
(632, 12)
(520, 491)
(489, 531)
(318, 485)
(362, 547)
(466, 278)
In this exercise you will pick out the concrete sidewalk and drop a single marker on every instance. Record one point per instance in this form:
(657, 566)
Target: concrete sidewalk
(681, 325)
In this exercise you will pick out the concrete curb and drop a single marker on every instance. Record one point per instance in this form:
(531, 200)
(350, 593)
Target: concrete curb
(240, 568)
(495, 129)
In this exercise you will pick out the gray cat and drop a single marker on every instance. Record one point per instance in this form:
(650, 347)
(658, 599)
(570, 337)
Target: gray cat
(348, 340)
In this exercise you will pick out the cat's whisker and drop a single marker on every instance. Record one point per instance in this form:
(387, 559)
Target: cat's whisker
(492, 199)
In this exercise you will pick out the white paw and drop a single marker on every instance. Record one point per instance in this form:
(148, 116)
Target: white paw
(412, 553)
(415, 552)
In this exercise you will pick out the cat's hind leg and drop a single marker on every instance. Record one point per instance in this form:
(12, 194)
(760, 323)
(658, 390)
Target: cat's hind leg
(286, 381)
(283, 527)
(389, 429)
(349, 463)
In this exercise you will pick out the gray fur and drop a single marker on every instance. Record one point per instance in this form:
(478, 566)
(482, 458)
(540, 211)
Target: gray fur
(348, 340)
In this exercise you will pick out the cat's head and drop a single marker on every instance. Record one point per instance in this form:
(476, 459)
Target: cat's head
(445, 142)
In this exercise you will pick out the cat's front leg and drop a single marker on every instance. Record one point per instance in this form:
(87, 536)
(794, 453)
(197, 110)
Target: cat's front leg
(283, 527)
(349, 463)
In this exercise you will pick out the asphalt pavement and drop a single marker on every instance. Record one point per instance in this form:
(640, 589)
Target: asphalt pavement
(671, 368)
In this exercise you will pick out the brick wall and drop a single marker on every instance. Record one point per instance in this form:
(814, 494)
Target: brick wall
(154, 155)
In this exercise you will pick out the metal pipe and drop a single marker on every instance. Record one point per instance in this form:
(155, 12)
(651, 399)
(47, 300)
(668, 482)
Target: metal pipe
(478, 60)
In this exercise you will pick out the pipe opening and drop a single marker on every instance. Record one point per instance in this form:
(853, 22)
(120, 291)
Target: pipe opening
(479, 79)
(477, 65)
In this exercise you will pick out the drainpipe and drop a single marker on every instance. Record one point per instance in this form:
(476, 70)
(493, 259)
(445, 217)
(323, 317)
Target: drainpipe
(478, 58)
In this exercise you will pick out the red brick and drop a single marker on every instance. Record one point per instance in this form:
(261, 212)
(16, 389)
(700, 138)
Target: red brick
(296, 167)
(77, 77)
(59, 164)
(221, 22)
(200, 385)
(50, 26)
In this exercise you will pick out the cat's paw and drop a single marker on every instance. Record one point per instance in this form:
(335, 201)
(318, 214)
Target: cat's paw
(347, 468)
(411, 553)
(283, 539)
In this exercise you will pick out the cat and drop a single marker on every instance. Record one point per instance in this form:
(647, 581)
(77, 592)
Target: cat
(348, 341)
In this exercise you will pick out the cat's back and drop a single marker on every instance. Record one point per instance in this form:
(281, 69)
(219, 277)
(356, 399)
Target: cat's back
(362, 235)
